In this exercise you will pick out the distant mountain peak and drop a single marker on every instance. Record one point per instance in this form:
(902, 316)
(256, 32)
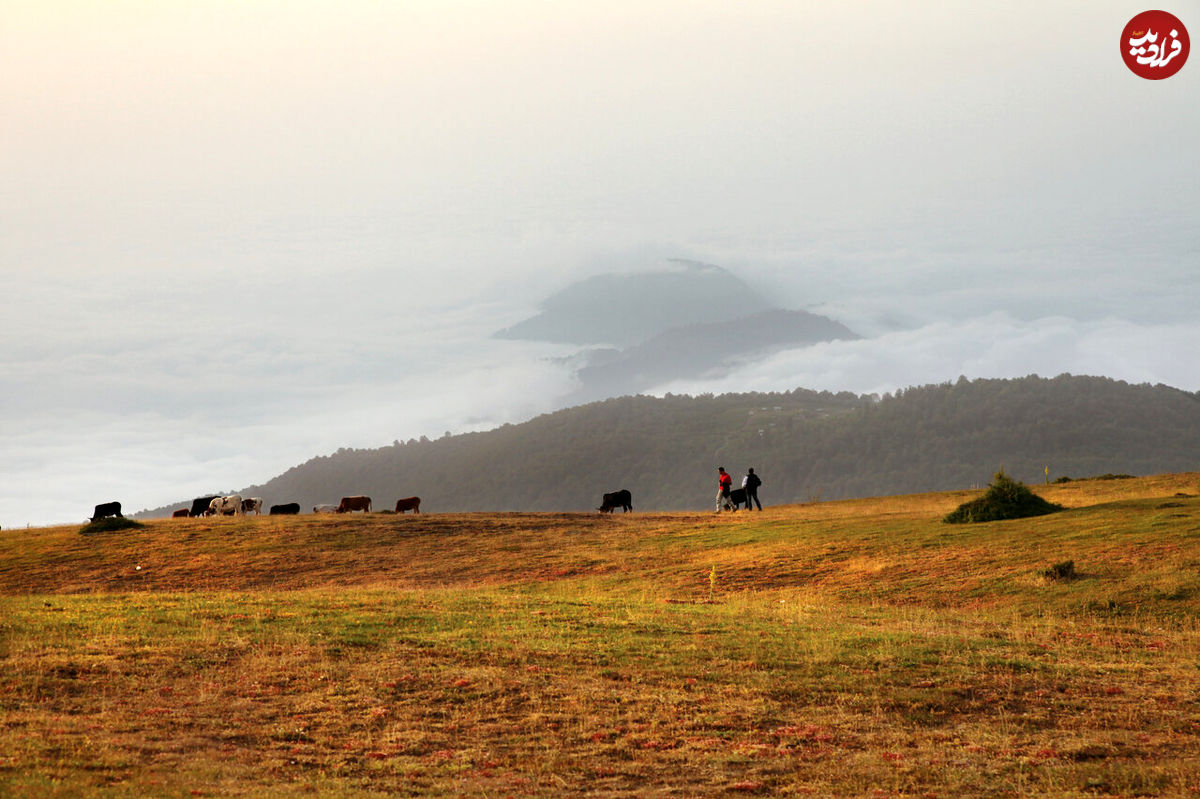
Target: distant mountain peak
(688, 265)
(622, 310)
(708, 348)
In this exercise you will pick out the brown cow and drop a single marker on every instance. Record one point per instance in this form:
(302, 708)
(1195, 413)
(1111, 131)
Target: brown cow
(349, 504)
(412, 503)
(182, 513)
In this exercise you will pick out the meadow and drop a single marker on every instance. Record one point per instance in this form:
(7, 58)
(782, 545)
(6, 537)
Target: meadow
(852, 648)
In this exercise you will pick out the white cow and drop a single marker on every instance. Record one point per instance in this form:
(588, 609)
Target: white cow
(226, 506)
(325, 509)
(252, 504)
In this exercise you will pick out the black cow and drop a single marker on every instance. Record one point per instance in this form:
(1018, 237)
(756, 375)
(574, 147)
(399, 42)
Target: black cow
(290, 509)
(200, 504)
(738, 497)
(106, 509)
(617, 499)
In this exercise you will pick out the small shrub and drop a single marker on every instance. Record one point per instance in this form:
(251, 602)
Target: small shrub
(110, 525)
(1106, 606)
(1061, 571)
(1006, 498)
(1108, 476)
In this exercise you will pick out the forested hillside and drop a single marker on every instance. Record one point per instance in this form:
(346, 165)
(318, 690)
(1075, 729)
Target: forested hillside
(709, 348)
(688, 320)
(806, 445)
(623, 310)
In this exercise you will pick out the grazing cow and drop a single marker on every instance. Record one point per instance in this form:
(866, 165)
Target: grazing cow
(617, 499)
(252, 504)
(738, 497)
(350, 504)
(290, 509)
(200, 505)
(225, 506)
(325, 508)
(182, 513)
(412, 503)
(106, 509)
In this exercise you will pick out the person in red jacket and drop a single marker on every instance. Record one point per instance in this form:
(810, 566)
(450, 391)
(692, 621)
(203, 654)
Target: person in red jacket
(724, 482)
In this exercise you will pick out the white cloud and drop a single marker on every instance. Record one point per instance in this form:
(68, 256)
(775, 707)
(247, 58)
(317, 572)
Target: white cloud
(146, 452)
(993, 346)
(240, 235)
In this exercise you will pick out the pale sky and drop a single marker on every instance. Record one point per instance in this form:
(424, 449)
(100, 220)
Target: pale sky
(235, 235)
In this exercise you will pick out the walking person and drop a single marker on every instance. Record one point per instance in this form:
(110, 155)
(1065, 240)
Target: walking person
(724, 482)
(751, 483)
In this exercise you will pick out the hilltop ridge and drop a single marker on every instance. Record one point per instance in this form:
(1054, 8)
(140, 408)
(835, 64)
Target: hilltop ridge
(769, 550)
(805, 445)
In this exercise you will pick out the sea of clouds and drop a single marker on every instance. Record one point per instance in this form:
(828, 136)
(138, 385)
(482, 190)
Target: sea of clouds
(232, 241)
(154, 392)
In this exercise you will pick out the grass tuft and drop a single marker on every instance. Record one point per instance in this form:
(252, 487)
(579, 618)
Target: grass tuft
(1061, 571)
(111, 525)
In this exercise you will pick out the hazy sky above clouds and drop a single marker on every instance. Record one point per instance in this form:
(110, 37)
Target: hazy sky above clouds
(236, 235)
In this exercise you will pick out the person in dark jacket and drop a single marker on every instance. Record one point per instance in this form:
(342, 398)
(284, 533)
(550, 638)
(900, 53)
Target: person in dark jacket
(751, 484)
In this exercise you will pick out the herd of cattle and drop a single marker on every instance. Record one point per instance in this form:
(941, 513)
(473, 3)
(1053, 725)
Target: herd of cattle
(236, 505)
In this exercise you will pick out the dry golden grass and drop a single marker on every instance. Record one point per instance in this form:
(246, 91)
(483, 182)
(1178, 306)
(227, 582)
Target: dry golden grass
(857, 648)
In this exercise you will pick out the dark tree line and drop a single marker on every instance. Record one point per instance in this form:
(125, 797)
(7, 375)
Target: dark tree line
(805, 444)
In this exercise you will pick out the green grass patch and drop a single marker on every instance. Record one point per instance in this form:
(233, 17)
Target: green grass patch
(845, 649)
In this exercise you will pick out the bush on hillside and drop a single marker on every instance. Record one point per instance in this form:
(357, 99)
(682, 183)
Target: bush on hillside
(1006, 498)
(110, 525)
(1106, 476)
(1061, 571)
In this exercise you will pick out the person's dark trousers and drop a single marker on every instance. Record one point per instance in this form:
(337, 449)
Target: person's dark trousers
(752, 496)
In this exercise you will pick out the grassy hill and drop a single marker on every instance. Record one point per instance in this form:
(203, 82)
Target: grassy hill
(855, 648)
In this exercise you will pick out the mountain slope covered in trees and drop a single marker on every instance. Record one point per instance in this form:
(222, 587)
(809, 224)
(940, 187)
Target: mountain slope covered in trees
(703, 349)
(806, 445)
(622, 310)
(685, 321)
